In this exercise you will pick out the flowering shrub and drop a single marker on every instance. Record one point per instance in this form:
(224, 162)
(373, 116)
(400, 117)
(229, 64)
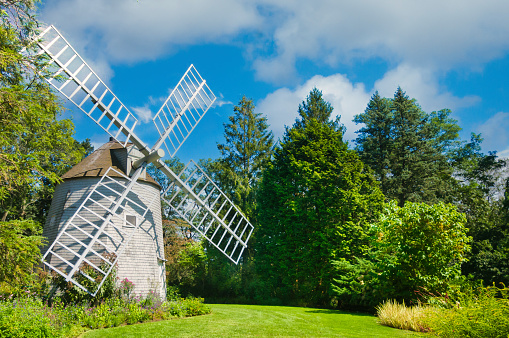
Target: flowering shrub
(126, 288)
(28, 316)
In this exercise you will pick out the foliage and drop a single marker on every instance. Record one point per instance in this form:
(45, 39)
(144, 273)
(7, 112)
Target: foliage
(29, 316)
(413, 249)
(421, 246)
(19, 253)
(70, 293)
(26, 317)
(408, 149)
(35, 147)
(186, 270)
(244, 154)
(487, 212)
(391, 313)
(357, 284)
(316, 199)
(247, 148)
(481, 312)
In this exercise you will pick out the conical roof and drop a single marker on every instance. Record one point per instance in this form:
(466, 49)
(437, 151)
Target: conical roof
(97, 163)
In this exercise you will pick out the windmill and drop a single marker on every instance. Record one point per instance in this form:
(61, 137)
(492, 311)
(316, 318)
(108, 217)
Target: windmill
(88, 246)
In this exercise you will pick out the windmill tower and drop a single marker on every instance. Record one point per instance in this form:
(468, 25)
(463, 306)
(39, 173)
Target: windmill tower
(143, 259)
(111, 217)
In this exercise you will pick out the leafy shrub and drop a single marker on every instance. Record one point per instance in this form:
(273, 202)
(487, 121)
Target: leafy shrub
(420, 246)
(195, 307)
(172, 292)
(19, 253)
(29, 316)
(481, 312)
(414, 248)
(25, 317)
(70, 293)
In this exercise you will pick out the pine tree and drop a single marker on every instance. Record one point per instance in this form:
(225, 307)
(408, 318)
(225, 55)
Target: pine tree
(247, 148)
(374, 140)
(314, 204)
(409, 150)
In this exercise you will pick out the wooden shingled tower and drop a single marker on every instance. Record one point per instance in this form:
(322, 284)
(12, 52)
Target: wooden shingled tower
(142, 261)
(107, 212)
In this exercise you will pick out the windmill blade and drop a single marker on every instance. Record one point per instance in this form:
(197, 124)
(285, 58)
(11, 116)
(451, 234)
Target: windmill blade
(74, 78)
(182, 110)
(200, 202)
(91, 241)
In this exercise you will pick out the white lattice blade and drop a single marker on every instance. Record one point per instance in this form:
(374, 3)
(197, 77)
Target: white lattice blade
(182, 110)
(74, 78)
(91, 242)
(200, 202)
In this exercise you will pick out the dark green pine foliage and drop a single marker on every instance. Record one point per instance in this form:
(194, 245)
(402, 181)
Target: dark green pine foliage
(315, 201)
(247, 148)
(374, 141)
(487, 212)
(408, 149)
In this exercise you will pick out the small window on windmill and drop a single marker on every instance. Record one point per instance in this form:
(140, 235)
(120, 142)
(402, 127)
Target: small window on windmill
(130, 221)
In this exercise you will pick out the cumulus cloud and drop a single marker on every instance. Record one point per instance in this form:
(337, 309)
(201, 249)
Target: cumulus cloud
(130, 31)
(144, 113)
(494, 132)
(347, 98)
(433, 34)
(430, 34)
(421, 84)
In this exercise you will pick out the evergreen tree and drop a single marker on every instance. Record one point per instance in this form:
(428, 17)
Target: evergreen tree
(479, 197)
(247, 148)
(315, 200)
(374, 141)
(409, 150)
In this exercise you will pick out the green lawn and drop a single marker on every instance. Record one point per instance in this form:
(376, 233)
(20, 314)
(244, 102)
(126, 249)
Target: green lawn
(260, 321)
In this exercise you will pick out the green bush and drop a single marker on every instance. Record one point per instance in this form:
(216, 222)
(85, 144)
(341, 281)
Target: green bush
(417, 248)
(70, 293)
(25, 317)
(481, 312)
(29, 316)
(19, 254)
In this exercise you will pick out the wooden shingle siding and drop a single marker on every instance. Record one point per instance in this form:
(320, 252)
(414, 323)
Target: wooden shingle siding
(140, 261)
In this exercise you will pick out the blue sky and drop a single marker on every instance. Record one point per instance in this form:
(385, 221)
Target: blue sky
(446, 54)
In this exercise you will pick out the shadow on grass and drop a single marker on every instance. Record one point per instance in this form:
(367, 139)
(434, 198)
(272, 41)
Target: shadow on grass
(339, 312)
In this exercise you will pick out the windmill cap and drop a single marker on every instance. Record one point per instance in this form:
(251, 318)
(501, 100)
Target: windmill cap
(111, 154)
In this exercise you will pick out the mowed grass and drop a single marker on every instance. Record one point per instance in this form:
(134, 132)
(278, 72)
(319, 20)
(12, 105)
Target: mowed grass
(260, 321)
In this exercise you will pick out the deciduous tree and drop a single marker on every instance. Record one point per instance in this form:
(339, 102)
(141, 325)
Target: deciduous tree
(34, 144)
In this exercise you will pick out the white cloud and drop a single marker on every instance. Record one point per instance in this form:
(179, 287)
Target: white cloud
(144, 113)
(494, 132)
(434, 34)
(130, 31)
(421, 84)
(220, 101)
(348, 99)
